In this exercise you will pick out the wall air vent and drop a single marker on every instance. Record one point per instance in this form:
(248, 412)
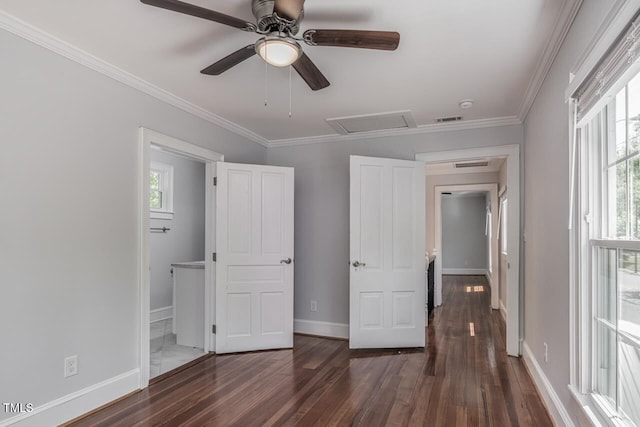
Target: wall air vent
(449, 119)
(472, 165)
(372, 122)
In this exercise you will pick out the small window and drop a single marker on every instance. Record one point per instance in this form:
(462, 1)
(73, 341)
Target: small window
(503, 225)
(161, 191)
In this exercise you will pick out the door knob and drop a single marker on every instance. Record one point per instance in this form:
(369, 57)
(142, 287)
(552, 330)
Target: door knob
(285, 261)
(358, 264)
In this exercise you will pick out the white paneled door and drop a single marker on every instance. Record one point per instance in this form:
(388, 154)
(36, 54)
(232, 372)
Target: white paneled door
(254, 267)
(387, 265)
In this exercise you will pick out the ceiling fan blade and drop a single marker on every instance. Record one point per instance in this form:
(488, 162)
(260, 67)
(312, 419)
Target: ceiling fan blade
(310, 73)
(201, 12)
(230, 61)
(288, 9)
(383, 40)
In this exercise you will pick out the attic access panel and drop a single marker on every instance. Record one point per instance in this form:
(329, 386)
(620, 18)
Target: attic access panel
(372, 122)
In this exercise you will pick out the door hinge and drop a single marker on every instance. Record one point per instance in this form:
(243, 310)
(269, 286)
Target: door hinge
(215, 180)
(213, 329)
(214, 257)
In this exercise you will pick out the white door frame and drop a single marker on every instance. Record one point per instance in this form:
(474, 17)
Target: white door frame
(512, 154)
(147, 138)
(494, 281)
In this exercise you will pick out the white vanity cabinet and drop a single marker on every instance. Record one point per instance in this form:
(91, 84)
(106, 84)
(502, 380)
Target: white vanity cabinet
(188, 303)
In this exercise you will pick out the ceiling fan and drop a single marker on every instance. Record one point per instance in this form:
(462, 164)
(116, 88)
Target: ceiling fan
(278, 21)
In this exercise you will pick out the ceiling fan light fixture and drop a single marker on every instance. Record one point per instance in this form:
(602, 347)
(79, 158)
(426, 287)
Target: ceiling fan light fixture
(278, 51)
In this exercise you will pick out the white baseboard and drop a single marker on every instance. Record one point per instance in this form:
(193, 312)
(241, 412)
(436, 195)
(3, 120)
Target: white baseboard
(162, 313)
(75, 404)
(503, 311)
(324, 329)
(554, 405)
(466, 271)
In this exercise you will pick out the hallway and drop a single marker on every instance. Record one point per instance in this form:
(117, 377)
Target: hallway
(463, 377)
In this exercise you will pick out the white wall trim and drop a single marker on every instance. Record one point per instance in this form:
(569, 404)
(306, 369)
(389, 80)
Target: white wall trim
(503, 310)
(420, 130)
(560, 30)
(78, 403)
(162, 313)
(323, 329)
(558, 412)
(466, 271)
(54, 44)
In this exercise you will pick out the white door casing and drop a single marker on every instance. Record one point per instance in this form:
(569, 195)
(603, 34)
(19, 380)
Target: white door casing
(254, 267)
(513, 292)
(387, 265)
(147, 138)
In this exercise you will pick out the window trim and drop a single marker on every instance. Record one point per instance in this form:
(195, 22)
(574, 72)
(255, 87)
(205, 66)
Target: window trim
(613, 24)
(590, 220)
(166, 187)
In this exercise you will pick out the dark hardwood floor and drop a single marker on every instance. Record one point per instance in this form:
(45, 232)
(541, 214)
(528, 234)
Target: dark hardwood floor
(463, 377)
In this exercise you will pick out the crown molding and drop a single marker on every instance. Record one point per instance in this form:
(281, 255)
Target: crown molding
(35, 35)
(423, 129)
(561, 29)
(54, 44)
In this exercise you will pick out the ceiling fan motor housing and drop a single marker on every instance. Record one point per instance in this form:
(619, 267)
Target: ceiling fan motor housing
(268, 22)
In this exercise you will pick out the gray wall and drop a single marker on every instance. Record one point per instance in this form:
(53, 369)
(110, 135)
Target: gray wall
(322, 207)
(68, 173)
(464, 242)
(431, 181)
(185, 240)
(546, 154)
(68, 245)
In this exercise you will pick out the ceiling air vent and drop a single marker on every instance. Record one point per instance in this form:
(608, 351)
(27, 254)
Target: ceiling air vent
(372, 122)
(449, 119)
(472, 165)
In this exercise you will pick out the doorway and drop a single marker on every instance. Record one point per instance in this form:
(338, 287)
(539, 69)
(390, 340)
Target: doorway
(154, 209)
(486, 226)
(176, 249)
(511, 154)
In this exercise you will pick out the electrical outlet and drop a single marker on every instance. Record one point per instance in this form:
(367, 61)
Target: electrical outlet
(546, 353)
(71, 366)
(314, 305)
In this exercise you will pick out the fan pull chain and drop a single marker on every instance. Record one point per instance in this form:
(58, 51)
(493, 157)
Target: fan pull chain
(266, 67)
(289, 91)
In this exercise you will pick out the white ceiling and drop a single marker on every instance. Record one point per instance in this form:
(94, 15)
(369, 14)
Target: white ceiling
(495, 52)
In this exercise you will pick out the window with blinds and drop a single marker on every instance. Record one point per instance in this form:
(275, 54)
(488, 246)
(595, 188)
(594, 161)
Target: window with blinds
(607, 108)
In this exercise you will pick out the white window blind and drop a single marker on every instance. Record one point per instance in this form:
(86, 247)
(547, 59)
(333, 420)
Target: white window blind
(618, 60)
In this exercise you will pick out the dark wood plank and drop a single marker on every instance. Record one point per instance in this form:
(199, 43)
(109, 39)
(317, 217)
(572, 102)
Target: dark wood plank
(459, 379)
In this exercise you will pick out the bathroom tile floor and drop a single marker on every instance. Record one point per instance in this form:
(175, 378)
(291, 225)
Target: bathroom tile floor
(165, 353)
